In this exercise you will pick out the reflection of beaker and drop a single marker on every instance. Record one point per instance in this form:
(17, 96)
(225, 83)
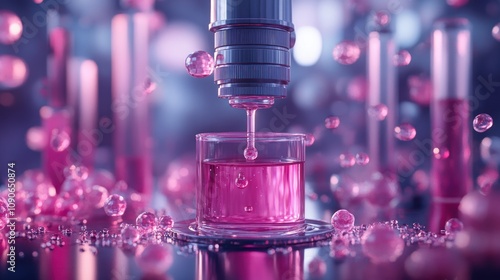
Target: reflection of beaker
(244, 265)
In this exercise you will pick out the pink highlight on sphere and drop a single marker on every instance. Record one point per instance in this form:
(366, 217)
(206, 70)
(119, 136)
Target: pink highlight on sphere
(146, 222)
(482, 122)
(382, 244)
(115, 205)
(347, 160)
(402, 58)
(13, 71)
(362, 159)
(346, 52)
(11, 27)
(200, 64)
(309, 139)
(332, 122)
(97, 196)
(378, 111)
(405, 132)
(453, 226)
(36, 138)
(342, 220)
(166, 222)
(495, 32)
(156, 259)
(130, 235)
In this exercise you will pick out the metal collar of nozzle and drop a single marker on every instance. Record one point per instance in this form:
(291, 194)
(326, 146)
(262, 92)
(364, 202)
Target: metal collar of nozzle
(253, 39)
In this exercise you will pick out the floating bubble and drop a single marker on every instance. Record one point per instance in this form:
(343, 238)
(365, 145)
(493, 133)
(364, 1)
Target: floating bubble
(248, 208)
(420, 89)
(378, 111)
(146, 222)
(317, 267)
(156, 259)
(346, 52)
(332, 122)
(482, 122)
(382, 244)
(200, 64)
(495, 31)
(362, 159)
(11, 27)
(453, 226)
(402, 58)
(347, 160)
(166, 222)
(59, 140)
(36, 139)
(13, 71)
(241, 182)
(115, 205)
(97, 196)
(405, 132)
(250, 153)
(342, 220)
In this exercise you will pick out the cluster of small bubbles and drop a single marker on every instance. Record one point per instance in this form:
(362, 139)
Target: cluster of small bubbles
(405, 132)
(146, 222)
(115, 205)
(4, 214)
(346, 52)
(241, 182)
(347, 160)
(482, 122)
(77, 172)
(402, 58)
(382, 244)
(495, 31)
(342, 220)
(309, 141)
(250, 153)
(453, 226)
(378, 111)
(248, 209)
(200, 64)
(166, 223)
(441, 153)
(362, 159)
(11, 27)
(332, 122)
(317, 267)
(59, 140)
(155, 259)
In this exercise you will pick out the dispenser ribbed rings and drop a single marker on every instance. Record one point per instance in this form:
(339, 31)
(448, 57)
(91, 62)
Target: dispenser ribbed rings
(252, 36)
(260, 73)
(248, 55)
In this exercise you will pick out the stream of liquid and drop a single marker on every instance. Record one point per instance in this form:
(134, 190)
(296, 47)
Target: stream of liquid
(251, 152)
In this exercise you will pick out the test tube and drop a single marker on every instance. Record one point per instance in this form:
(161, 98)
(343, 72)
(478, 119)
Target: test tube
(130, 103)
(451, 170)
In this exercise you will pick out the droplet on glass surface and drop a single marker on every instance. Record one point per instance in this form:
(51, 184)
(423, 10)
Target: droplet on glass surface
(382, 244)
(115, 205)
(309, 141)
(11, 27)
(362, 159)
(199, 64)
(405, 132)
(317, 267)
(166, 222)
(347, 160)
(342, 220)
(248, 208)
(346, 52)
(77, 172)
(59, 140)
(130, 234)
(402, 58)
(156, 259)
(453, 226)
(378, 111)
(495, 31)
(332, 122)
(250, 153)
(146, 222)
(241, 182)
(36, 138)
(13, 71)
(482, 122)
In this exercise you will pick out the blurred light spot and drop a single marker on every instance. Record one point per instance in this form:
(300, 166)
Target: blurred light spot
(310, 92)
(308, 46)
(36, 138)
(409, 111)
(11, 27)
(408, 29)
(13, 71)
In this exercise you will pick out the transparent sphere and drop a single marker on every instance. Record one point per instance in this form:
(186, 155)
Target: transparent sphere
(36, 138)
(402, 58)
(156, 259)
(382, 244)
(342, 220)
(347, 160)
(11, 27)
(59, 140)
(362, 159)
(482, 122)
(241, 182)
(405, 132)
(76, 172)
(332, 122)
(97, 196)
(346, 52)
(166, 222)
(378, 111)
(250, 153)
(130, 234)
(453, 226)
(13, 71)
(146, 222)
(200, 64)
(495, 31)
(115, 205)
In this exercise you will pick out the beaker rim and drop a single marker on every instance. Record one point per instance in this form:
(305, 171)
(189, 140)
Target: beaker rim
(243, 135)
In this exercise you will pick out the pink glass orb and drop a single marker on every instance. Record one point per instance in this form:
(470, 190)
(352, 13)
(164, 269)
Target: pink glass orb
(317, 267)
(59, 140)
(482, 122)
(332, 122)
(13, 71)
(97, 196)
(156, 259)
(405, 132)
(241, 181)
(480, 212)
(402, 58)
(146, 222)
(381, 18)
(310, 139)
(347, 160)
(130, 234)
(378, 111)
(382, 244)
(11, 27)
(495, 31)
(251, 153)
(382, 190)
(362, 159)
(346, 52)
(115, 205)
(76, 172)
(200, 64)
(342, 220)
(453, 226)
(166, 223)
(420, 89)
(36, 138)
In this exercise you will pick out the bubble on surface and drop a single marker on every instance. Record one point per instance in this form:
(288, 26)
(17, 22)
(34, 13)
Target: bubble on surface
(11, 27)
(347, 160)
(97, 196)
(405, 132)
(115, 205)
(59, 140)
(332, 122)
(482, 122)
(130, 234)
(453, 226)
(36, 138)
(248, 209)
(402, 58)
(342, 220)
(495, 31)
(13, 71)
(250, 153)
(146, 222)
(362, 159)
(241, 182)
(156, 259)
(346, 52)
(200, 64)
(317, 267)
(166, 222)
(382, 244)
(378, 111)
(309, 139)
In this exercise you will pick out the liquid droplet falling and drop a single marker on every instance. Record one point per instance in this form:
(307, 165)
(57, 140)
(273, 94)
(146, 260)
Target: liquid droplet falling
(115, 205)
(378, 111)
(342, 220)
(362, 159)
(346, 52)
(402, 58)
(332, 122)
(482, 122)
(347, 160)
(248, 208)
(59, 140)
(495, 31)
(251, 153)
(241, 182)
(200, 64)
(405, 132)
(11, 27)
